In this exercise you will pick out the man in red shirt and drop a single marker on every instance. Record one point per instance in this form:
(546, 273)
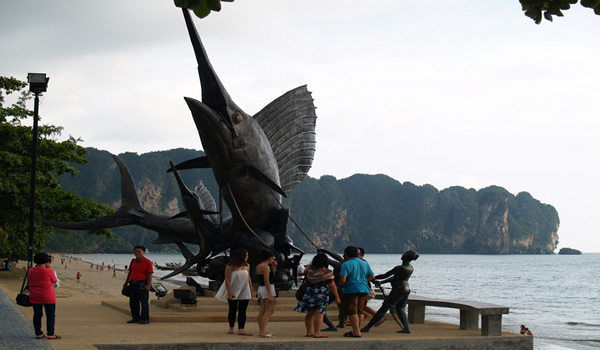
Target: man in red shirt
(139, 281)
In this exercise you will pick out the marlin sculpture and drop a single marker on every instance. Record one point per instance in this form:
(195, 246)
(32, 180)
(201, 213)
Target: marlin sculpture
(256, 160)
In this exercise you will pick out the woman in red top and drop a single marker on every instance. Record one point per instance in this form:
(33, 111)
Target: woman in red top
(41, 294)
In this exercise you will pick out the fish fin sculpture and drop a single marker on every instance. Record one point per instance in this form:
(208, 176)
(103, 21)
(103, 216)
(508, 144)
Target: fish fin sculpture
(195, 163)
(257, 174)
(170, 230)
(129, 213)
(190, 259)
(289, 123)
(192, 206)
(183, 214)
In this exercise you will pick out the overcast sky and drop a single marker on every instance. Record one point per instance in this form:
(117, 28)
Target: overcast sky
(448, 92)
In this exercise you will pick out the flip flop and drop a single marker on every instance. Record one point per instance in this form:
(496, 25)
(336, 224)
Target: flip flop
(268, 335)
(52, 337)
(249, 334)
(230, 332)
(309, 335)
(42, 336)
(349, 334)
(321, 336)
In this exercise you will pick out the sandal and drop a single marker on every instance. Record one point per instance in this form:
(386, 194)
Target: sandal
(349, 334)
(245, 333)
(41, 336)
(230, 332)
(321, 336)
(309, 335)
(52, 337)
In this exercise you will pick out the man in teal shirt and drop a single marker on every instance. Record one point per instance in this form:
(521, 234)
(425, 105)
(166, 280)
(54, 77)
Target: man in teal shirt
(354, 277)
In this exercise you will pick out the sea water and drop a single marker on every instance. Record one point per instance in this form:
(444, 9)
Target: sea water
(556, 296)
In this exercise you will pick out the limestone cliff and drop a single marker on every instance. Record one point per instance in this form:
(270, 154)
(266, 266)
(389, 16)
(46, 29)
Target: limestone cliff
(372, 211)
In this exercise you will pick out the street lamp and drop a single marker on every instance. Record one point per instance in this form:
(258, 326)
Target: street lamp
(38, 82)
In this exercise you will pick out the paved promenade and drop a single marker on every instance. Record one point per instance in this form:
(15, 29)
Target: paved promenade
(16, 332)
(86, 324)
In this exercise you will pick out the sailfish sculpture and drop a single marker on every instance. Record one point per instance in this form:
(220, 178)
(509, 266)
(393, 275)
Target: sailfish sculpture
(256, 160)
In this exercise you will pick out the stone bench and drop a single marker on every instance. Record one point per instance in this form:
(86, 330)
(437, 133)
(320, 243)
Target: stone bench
(491, 314)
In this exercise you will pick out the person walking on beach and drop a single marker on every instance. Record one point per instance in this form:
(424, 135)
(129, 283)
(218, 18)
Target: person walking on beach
(354, 277)
(319, 281)
(139, 281)
(78, 276)
(41, 295)
(398, 297)
(265, 272)
(237, 290)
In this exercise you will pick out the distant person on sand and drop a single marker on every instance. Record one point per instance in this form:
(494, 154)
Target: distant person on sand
(237, 289)
(354, 277)
(398, 297)
(525, 330)
(265, 272)
(41, 294)
(139, 281)
(78, 276)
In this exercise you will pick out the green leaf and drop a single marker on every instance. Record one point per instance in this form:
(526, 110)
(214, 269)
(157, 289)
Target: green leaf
(214, 5)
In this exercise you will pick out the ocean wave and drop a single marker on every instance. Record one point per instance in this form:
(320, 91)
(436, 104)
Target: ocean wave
(573, 340)
(585, 324)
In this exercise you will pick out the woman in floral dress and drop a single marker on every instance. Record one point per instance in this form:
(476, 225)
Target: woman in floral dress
(319, 281)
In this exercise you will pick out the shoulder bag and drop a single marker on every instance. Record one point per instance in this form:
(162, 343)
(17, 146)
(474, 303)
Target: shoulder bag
(23, 296)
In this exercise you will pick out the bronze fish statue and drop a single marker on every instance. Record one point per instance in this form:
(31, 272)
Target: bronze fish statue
(256, 160)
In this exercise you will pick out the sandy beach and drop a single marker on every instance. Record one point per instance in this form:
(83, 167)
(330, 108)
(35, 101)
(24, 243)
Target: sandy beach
(80, 318)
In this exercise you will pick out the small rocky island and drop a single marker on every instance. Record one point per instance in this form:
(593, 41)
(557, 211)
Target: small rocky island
(569, 251)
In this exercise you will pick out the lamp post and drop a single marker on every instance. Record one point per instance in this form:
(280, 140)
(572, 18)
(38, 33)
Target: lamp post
(37, 84)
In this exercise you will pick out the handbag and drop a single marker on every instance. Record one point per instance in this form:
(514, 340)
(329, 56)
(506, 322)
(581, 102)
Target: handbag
(301, 291)
(125, 291)
(23, 296)
(372, 294)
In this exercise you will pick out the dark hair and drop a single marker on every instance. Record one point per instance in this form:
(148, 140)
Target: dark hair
(140, 247)
(320, 260)
(237, 257)
(361, 251)
(265, 254)
(41, 258)
(351, 251)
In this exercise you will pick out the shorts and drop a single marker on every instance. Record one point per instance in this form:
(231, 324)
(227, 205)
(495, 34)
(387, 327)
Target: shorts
(354, 303)
(263, 294)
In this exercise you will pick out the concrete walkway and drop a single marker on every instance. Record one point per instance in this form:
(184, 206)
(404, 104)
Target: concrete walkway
(16, 332)
(85, 323)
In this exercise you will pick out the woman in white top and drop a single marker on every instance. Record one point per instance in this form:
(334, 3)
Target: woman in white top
(237, 289)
